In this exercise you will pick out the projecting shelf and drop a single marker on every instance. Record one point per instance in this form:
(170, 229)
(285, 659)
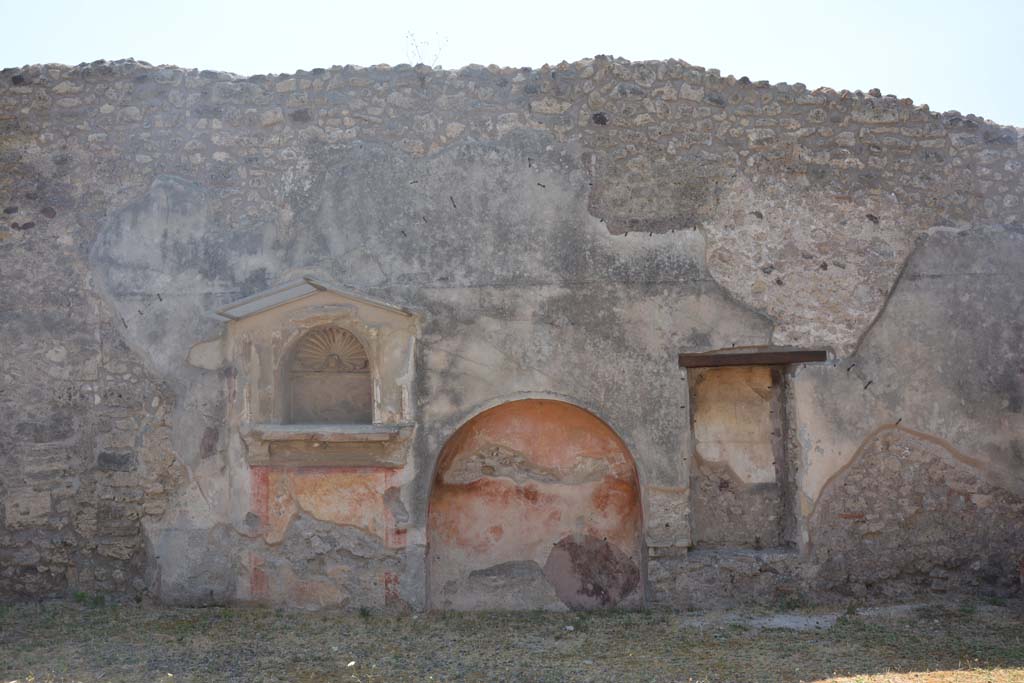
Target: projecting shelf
(326, 445)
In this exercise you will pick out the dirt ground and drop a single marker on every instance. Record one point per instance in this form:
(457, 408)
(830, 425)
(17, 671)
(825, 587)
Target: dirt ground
(86, 640)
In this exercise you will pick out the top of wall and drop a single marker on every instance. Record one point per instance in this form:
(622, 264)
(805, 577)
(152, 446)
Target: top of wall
(884, 109)
(802, 205)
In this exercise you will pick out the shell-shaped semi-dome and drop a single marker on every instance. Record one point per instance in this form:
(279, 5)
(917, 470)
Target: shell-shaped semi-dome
(330, 349)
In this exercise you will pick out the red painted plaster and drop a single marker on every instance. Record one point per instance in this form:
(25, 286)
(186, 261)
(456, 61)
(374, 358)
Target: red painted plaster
(569, 474)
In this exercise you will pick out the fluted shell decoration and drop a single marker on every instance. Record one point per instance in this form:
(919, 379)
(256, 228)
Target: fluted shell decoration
(331, 349)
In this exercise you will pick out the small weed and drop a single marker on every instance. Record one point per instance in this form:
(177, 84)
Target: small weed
(935, 612)
(365, 613)
(790, 602)
(89, 599)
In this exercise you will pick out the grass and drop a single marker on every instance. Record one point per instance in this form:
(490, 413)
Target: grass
(91, 641)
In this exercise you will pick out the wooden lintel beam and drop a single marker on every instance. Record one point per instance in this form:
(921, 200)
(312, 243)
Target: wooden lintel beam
(731, 357)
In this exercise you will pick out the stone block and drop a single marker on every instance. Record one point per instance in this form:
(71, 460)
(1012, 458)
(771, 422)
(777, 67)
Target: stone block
(26, 507)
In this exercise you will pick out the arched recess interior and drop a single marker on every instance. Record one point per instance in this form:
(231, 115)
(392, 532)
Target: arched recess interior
(328, 379)
(535, 504)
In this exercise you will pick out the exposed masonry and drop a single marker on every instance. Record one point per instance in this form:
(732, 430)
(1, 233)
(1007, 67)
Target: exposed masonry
(564, 232)
(900, 511)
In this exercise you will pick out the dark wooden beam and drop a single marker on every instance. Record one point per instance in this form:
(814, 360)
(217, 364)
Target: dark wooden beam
(752, 356)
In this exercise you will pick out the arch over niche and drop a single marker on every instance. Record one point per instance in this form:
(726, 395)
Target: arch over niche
(328, 379)
(535, 504)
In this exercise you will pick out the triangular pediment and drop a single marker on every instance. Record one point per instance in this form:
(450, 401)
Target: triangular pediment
(296, 290)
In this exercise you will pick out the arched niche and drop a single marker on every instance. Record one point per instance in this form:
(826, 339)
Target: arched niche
(535, 504)
(327, 379)
(320, 377)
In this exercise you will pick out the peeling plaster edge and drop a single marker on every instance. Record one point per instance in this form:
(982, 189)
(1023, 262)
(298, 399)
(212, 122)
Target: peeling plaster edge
(919, 240)
(99, 283)
(955, 454)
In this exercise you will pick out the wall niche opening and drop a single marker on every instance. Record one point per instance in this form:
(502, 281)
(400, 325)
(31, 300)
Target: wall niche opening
(328, 379)
(742, 480)
(323, 377)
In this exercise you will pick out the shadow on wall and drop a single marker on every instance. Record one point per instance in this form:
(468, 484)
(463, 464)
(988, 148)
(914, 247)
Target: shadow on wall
(535, 505)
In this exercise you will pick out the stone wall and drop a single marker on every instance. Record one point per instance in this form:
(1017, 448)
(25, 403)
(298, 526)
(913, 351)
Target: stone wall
(908, 515)
(84, 428)
(564, 233)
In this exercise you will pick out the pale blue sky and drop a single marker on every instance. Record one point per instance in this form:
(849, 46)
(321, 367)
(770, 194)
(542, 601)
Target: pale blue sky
(950, 54)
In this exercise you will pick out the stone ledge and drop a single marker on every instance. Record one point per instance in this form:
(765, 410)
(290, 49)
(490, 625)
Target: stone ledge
(327, 445)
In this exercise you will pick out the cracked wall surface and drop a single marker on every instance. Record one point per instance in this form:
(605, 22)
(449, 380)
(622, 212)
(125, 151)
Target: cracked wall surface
(564, 232)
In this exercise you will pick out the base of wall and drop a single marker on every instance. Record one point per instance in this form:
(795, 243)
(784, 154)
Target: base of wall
(781, 578)
(721, 578)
